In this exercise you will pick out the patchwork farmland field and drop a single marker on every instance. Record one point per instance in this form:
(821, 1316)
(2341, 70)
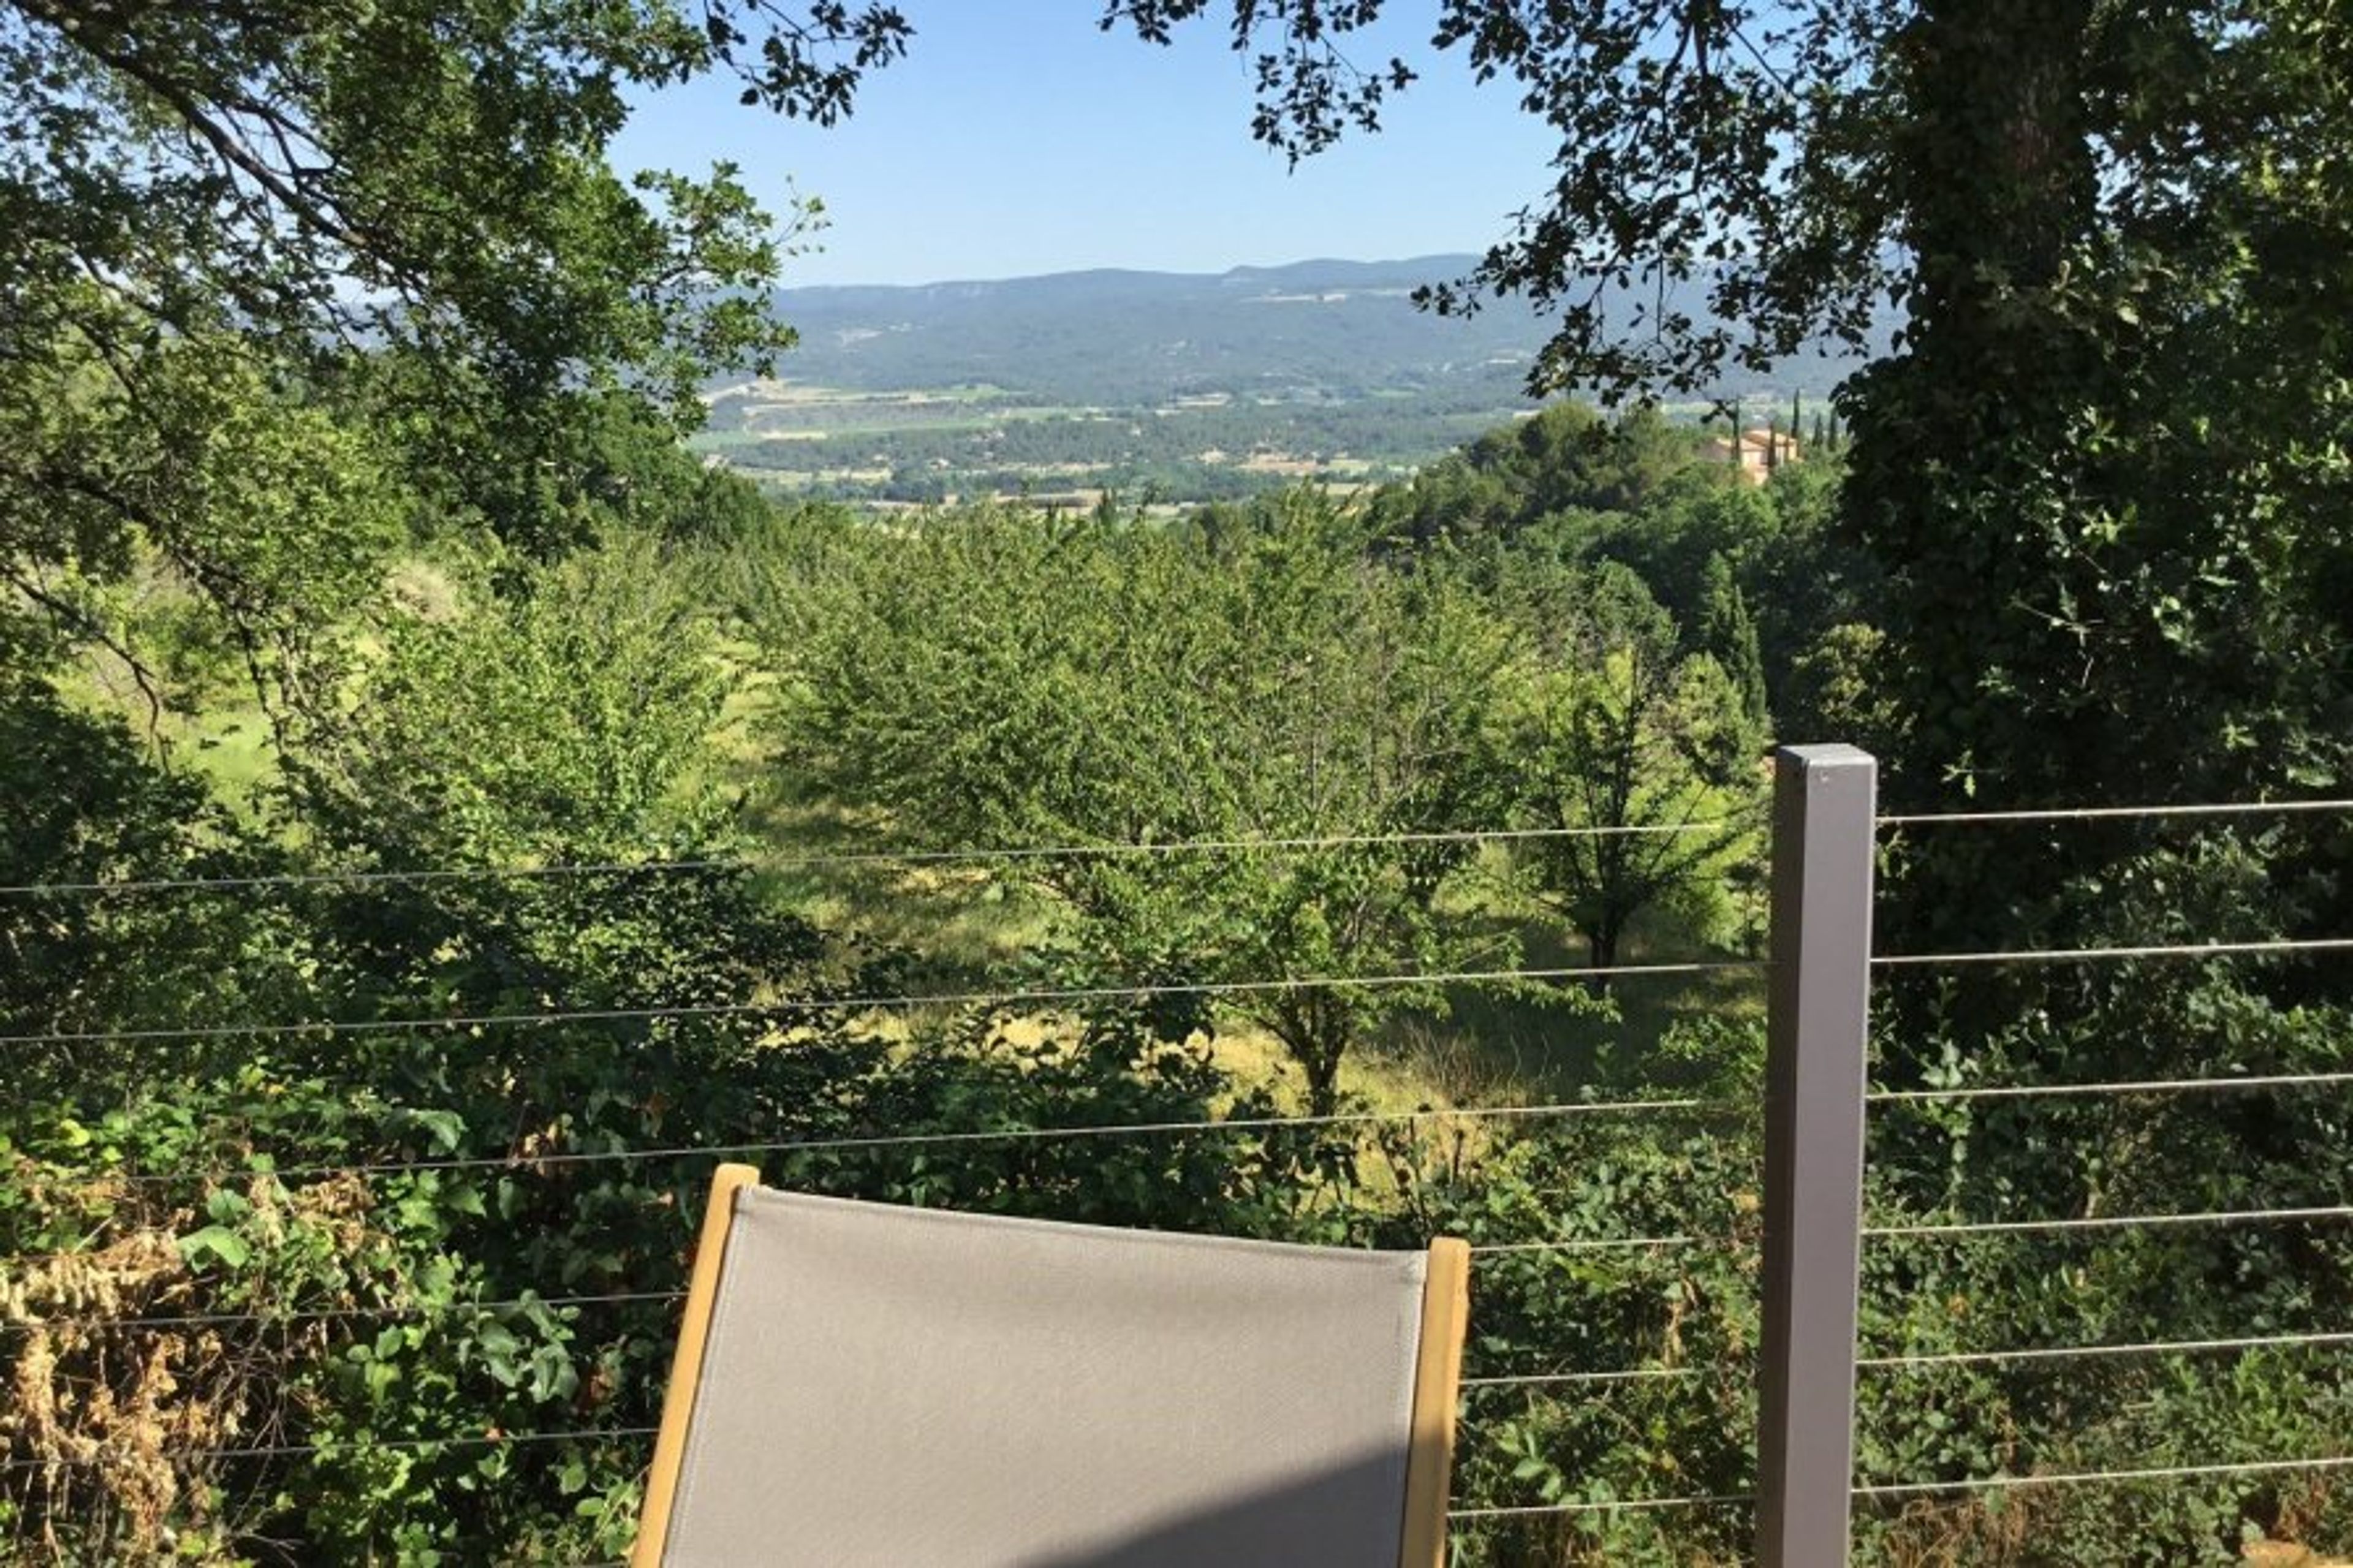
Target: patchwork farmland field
(940, 444)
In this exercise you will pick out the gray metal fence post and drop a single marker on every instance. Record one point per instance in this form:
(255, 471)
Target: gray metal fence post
(1819, 1014)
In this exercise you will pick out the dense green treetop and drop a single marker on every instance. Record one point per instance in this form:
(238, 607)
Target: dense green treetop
(1001, 679)
(1768, 158)
(1609, 722)
(1565, 458)
(416, 173)
(277, 280)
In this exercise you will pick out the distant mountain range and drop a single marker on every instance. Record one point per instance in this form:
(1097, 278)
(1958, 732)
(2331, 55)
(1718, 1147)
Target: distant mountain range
(1338, 330)
(1312, 330)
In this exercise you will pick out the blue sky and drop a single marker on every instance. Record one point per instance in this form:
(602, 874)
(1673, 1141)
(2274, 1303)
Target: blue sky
(1018, 139)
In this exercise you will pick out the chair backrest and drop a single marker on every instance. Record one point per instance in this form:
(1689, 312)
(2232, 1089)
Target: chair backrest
(864, 1384)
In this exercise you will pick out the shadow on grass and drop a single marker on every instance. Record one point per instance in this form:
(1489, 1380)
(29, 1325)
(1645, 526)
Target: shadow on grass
(1544, 1039)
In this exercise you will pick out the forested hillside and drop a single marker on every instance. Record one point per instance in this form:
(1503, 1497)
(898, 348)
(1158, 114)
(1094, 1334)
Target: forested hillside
(1334, 329)
(443, 817)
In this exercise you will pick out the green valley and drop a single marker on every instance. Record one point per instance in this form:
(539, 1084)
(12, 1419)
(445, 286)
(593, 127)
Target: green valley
(1162, 386)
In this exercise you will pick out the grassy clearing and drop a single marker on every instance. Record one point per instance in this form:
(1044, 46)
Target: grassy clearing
(1380, 1080)
(237, 750)
(228, 741)
(1551, 1038)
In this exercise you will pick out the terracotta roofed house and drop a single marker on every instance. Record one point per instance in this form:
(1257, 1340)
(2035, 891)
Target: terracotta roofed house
(1760, 451)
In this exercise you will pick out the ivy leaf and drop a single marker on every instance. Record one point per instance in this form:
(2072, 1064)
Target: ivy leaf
(216, 1241)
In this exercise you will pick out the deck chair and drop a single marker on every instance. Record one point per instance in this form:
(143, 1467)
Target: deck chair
(862, 1385)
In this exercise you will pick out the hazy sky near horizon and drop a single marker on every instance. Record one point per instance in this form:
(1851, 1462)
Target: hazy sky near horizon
(1018, 138)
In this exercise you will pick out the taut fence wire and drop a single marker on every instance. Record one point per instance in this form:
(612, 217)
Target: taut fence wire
(788, 1008)
(371, 875)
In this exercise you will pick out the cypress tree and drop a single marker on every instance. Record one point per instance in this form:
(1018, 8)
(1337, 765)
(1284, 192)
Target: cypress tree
(1727, 632)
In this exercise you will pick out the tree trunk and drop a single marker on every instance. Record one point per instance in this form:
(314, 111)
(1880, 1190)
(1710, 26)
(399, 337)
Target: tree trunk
(1323, 1066)
(1982, 404)
(1601, 952)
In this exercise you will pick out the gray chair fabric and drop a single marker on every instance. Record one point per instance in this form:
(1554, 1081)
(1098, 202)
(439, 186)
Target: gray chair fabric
(888, 1387)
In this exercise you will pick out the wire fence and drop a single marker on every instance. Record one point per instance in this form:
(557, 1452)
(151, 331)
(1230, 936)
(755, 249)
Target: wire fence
(2223, 1079)
(1638, 1368)
(367, 876)
(787, 1008)
(543, 1161)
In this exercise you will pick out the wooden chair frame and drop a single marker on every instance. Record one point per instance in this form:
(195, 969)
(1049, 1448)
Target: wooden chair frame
(1438, 1376)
